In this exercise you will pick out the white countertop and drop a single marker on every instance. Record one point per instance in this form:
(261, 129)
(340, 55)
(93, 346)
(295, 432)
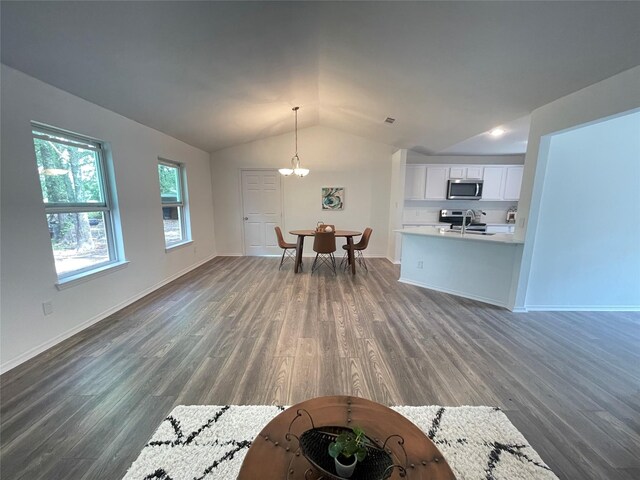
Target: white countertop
(435, 232)
(430, 224)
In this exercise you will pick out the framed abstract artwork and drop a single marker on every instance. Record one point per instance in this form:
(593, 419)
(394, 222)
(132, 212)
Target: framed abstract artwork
(332, 198)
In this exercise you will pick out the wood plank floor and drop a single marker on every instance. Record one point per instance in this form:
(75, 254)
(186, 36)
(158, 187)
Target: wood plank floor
(237, 331)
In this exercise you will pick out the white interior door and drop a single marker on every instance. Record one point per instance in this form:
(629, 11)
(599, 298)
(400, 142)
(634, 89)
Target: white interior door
(262, 211)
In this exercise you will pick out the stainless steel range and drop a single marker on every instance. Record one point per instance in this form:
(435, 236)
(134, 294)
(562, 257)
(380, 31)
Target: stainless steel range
(455, 218)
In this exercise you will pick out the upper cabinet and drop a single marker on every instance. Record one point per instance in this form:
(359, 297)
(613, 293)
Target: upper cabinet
(513, 182)
(493, 185)
(474, 173)
(457, 172)
(429, 182)
(436, 188)
(465, 173)
(502, 183)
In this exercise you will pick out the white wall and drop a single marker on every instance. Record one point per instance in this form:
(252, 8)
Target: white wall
(396, 204)
(415, 157)
(617, 94)
(334, 158)
(587, 248)
(28, 272)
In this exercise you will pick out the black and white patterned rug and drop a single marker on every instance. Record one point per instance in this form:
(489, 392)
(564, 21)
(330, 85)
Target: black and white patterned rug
(210, 442)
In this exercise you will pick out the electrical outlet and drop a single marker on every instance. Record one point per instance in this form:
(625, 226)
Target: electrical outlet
(47, 307)
(420, 265)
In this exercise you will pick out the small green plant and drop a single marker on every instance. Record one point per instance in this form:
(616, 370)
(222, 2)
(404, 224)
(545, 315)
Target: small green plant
(348, 444)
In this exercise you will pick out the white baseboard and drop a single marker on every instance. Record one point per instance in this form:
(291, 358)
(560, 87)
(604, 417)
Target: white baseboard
(5, 367)
(366, 255)
(491, 301)
(395, 262)
(583, 308)
(519, 310)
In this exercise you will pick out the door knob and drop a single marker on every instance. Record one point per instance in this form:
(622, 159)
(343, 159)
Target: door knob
(246, 218)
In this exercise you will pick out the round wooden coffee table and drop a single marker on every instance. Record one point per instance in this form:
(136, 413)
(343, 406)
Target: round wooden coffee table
(276, 455)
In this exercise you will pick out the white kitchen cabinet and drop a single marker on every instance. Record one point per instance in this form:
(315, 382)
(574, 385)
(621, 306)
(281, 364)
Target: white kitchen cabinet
(436, 184)
(429, 182)
(493, 185)
(502, 183)
(513, 181)
(474, 173)
(457, 172)
(465, 173)
(414, 183)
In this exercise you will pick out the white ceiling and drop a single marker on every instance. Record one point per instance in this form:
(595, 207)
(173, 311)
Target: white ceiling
(513, 141)
(216, 74)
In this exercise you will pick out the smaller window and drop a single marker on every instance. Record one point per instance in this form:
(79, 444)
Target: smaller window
(174, 205)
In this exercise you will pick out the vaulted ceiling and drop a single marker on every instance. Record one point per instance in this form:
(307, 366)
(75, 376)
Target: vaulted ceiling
(216, 74)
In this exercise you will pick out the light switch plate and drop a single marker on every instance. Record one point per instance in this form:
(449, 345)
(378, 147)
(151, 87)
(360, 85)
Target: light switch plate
(47, 307)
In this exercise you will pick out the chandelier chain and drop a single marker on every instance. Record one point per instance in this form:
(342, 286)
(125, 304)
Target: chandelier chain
(296, 168)
(295, 109)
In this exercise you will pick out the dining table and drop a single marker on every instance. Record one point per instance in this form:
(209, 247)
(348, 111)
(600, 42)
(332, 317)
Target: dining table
(348, 234)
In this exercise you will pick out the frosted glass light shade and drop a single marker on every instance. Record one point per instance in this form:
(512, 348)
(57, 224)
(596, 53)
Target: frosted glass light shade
(295, 160)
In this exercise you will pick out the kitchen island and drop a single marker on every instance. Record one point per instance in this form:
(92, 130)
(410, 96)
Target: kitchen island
(477, 266)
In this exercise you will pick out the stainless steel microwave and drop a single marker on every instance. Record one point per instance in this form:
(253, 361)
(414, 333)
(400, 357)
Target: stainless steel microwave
(464, 190)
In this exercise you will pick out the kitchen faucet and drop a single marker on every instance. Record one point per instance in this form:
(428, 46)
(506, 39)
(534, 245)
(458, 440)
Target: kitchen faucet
(469, 213)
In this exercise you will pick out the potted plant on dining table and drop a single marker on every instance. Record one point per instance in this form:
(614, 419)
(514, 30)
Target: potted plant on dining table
(347, 450)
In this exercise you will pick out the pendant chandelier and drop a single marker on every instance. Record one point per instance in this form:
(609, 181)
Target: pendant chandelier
(296, 169)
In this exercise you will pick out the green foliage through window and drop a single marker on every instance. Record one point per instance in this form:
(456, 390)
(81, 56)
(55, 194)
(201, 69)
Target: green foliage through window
(171, 178)
(67, 174)
(169, 183)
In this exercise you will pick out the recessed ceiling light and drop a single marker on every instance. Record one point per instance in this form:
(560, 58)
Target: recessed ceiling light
(389, 120)
(497, 132)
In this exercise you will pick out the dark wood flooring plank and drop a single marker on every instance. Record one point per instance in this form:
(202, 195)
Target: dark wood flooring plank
(306, 371)
(237, 330)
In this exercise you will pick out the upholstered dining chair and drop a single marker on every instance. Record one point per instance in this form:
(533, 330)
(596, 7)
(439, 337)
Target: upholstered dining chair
(324, 244)
(358, 249)
(288, 249)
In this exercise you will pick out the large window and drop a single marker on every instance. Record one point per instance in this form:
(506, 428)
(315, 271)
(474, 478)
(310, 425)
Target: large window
(174, 204)
(77, 201)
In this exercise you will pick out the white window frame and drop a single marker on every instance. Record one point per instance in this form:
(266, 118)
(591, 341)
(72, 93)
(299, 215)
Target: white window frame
(182, 205)
(114, 248)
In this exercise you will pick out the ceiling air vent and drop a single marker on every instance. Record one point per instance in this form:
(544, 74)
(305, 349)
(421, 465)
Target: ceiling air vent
(389, 120)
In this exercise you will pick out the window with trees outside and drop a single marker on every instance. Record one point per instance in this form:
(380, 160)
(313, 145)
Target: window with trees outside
(77, 201)
(174, 205)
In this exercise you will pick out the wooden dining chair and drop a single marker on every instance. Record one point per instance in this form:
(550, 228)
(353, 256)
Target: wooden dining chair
(358, 248)
(288, 249)
(324, 244)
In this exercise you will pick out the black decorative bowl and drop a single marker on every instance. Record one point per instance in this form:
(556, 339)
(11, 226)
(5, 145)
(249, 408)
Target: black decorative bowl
(314, 445)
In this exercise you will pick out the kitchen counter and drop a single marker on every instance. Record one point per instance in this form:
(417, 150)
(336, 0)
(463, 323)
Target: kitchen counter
(454, 235)
(479, 267)
(446, 224)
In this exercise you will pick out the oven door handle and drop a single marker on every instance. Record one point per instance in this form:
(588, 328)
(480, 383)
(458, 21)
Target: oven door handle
(477, 189)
